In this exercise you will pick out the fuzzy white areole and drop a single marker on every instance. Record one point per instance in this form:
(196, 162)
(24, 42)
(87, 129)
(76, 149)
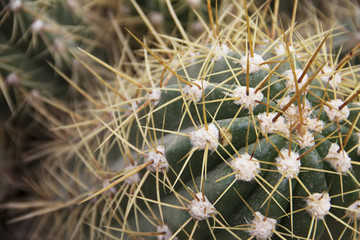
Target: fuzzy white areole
(202, 137)
(314, 124)
(194, 91)
(306, 140)
(292, 112)
(334, 112)
(164, 229)
(194, 3)
(353, 211)
(288, 164)
(280, 50)
(246, 167)
(133, 179)
(37, 26)
(107, 183)
(339, 161)
(159, 160)
(329, 75)
(156, 18)
(318, 205)
(290, 79)
(268, 126)
(15, 5)
(220, 51)
(262, 227)
(154, 96)
(249, 101)
(255, 63)
(12, 79)
(201, 208)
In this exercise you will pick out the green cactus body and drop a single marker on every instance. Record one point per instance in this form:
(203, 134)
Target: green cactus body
(204, 127)
(236, 148)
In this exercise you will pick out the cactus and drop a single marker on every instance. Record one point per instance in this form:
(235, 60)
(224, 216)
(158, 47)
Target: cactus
(230, 145)
(37, 43)
(238, 135)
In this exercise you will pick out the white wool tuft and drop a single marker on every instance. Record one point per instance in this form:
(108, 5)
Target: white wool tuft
(15, 5)
(201, 137)
(246, 167)
(248, 101)
(37, 26)
(289, 166)
(156, 18)
(159, 160)
(292, 112)
(35, 93)
(168, 234)
(220, 51)
(193, 56)
(254, 63)
(329, 73)
(353, 211)
(318, 205)
(338, 161)
(72, 3)
(196, 27)
(334, 112)
(291, 80)
(105, 184)
(134, 106)
(307, 140)
(193, 91)
(201, 209)
(135, 178)
(267, 125)
(12, 79)
(154, 96)
(262, 228)
(280, 50)
(194, 3)
(314, 124)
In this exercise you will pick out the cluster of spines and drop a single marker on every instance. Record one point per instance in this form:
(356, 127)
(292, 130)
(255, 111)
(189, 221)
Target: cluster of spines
(191, 92)
(317, 211)
(130, 174)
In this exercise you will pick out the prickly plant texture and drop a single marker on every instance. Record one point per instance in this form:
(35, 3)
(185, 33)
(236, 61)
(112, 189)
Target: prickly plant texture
(249, 131)
(38, 41)
(162, 15)
(38, 44)
(342, 16)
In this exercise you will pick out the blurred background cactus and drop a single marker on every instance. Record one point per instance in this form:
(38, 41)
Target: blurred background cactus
(342, 16)
(88, 108)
